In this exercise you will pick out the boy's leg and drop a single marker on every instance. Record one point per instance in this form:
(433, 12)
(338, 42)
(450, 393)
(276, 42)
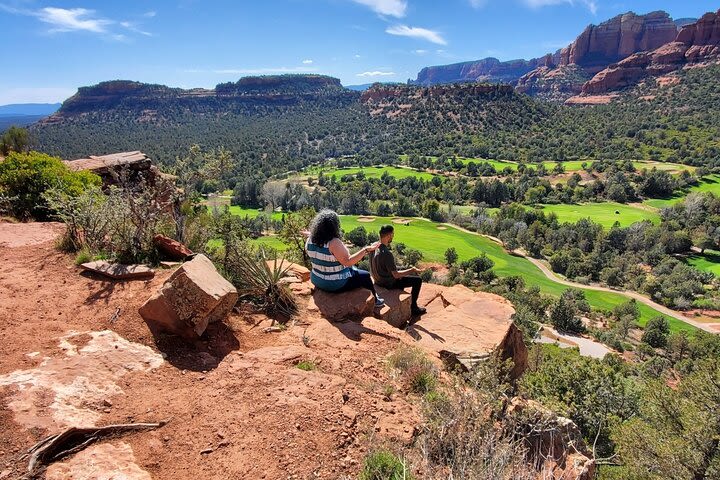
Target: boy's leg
(412, 281)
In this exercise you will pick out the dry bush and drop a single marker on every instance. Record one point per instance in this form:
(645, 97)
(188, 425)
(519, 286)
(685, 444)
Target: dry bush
(417, 372)
(462, 439)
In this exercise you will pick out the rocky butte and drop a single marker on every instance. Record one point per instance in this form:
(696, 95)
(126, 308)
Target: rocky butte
(695, 44)
(564, 72)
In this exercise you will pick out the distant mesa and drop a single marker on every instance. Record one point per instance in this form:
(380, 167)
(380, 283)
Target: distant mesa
(149, 98)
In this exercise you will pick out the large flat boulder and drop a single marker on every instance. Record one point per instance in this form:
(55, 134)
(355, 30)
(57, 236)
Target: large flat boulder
(465, 327)
(358, 303)
(194, 296)
(118, 271)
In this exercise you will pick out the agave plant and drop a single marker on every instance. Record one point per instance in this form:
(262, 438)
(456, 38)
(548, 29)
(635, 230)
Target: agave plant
(259, 280)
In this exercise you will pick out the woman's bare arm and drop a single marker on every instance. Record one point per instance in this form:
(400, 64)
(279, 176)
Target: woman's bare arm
(343, 255)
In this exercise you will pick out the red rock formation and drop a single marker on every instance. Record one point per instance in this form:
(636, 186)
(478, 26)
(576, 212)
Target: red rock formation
(600, 45)
(695, 43)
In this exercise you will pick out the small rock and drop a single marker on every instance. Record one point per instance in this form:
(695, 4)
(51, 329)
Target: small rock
(207, 451)
(166, 438)
(107, 403)
(224, 443)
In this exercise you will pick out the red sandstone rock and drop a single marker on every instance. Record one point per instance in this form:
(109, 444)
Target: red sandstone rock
(469, 327)
(171, 248)
(358, 303)
(611, 41)
(194, 296)
(696, 43)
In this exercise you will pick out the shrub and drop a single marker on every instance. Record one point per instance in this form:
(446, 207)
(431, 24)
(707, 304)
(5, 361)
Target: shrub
(306, 365)
(26, 177)
(460, 439)
(426, 275)
(451, 256)
(357, 236)
(412, 256)
(83, 256)
(656, 332)
(417, 371)
(384, 465)
(258, 281)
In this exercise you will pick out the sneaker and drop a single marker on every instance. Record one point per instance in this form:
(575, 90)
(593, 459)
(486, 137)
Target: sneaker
(379, 302)
(417, 311)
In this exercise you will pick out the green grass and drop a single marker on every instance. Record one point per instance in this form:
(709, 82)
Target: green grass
(570, 165)
(710, 184)
(707, 262)
(370, 172)
(306, 365)
(602, 213)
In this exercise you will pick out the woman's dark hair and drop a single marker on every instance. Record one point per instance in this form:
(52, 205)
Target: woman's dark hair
(324, 227)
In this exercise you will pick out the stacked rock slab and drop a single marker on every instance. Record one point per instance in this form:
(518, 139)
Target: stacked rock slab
(194, 296)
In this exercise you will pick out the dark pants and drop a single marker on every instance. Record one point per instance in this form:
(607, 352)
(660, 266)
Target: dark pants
(410, 281)
(359, 279)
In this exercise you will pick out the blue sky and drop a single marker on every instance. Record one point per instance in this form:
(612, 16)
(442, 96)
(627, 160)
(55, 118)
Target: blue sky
(53, 47)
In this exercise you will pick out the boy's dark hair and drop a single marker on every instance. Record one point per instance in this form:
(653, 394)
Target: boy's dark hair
(386, 229)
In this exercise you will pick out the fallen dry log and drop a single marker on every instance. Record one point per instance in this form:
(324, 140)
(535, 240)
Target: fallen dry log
(73, 440)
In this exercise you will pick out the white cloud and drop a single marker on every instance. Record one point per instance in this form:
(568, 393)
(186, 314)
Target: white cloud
(376, 74)
(63, 20)
(590, 4)
(393, 8)
(72, 20)
(307, 62)
(417, 32)
(150, 14)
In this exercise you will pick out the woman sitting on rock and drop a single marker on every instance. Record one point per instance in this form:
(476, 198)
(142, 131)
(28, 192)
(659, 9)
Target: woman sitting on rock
(332, 263)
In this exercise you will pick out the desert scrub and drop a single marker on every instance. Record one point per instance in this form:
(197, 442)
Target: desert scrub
(384, 465)
(306, 365)
(83, 256)
(461, 438)
(417, 372)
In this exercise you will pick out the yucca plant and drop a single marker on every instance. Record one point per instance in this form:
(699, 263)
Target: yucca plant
(258, 280)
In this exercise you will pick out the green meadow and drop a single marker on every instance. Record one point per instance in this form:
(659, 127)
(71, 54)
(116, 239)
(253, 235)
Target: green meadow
(707, 262)
(710, 184)
(569, 166)
(604, 213)
(370, 172)
(432, 239)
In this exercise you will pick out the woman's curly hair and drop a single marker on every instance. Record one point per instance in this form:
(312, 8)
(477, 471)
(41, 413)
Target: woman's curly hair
(324, 227)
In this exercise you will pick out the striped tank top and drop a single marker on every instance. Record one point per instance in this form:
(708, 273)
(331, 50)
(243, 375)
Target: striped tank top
(327, 273)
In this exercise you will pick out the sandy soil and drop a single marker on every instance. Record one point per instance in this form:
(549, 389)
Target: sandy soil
(237, 405)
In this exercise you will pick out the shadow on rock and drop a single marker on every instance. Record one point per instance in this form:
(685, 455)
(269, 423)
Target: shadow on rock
(354, 330)
(201, 355)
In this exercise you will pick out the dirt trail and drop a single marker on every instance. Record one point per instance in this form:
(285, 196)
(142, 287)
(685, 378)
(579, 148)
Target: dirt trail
(708, 327)
(237, 405)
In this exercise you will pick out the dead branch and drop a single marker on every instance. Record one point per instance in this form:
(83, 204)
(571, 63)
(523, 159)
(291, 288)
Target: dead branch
(73, 440)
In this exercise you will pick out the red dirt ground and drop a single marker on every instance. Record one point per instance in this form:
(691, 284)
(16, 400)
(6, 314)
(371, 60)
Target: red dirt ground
(236, 394)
